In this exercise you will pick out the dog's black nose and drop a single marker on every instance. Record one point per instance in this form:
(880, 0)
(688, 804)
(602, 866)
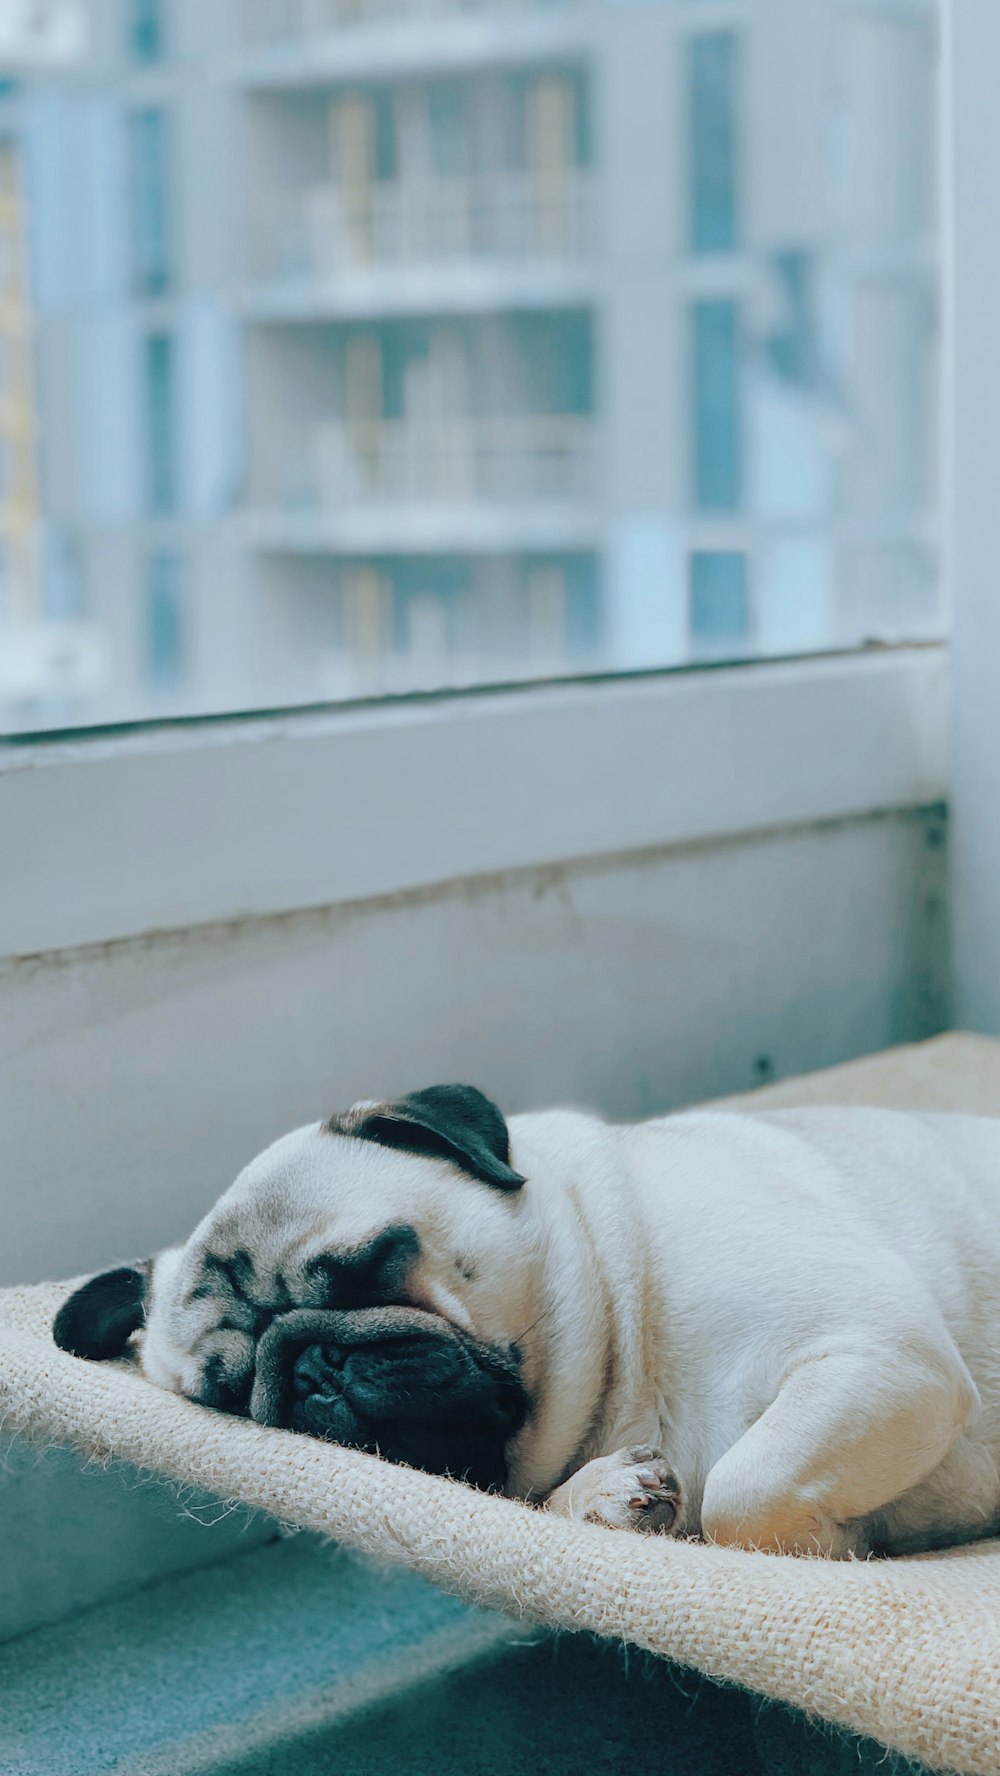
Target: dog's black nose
(320, 1403)
(426, 1398)
(317, 1368)
(388, 1378)
(372, 1273)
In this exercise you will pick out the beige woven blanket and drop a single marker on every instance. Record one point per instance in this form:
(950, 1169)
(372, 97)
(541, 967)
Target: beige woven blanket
(907, 1651)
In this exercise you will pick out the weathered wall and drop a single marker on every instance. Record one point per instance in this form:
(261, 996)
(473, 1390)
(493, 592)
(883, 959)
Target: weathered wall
(136, 1078)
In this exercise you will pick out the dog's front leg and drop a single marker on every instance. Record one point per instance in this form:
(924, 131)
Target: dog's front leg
(850, 1430)
(631, 1489)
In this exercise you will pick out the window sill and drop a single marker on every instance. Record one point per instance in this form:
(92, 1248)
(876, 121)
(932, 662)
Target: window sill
(111, 837)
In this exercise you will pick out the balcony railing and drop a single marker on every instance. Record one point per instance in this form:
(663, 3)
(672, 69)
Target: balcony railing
(509, 458)
(268, 23)
(325, 233)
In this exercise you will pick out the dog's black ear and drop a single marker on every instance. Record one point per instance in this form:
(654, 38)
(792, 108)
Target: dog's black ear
(99, 1318)
(456, 1122)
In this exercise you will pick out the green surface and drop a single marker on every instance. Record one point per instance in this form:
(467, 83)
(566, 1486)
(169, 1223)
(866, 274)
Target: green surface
(73, 1535)
(297, 1659)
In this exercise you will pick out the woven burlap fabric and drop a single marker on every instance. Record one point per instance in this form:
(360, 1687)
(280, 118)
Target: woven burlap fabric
(907, 1651)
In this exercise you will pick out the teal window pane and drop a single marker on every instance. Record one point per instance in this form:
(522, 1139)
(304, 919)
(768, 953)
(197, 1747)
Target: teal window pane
(145, 30)
(712, 141)
(164, 621)
(161, 455)
(150, 217)
(720, 601)
(717, 440)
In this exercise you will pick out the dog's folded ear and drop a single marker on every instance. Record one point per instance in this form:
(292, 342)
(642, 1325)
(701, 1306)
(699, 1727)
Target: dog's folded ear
(99, 1318)
(454, 1122)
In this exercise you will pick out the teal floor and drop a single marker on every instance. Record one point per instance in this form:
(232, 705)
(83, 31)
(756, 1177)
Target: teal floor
(296, 1659)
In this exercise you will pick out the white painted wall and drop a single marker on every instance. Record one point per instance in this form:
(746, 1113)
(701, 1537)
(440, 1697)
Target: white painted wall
(137, 1077)
(975, 453)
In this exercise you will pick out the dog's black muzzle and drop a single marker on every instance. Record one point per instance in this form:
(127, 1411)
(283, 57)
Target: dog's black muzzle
(396, 1381)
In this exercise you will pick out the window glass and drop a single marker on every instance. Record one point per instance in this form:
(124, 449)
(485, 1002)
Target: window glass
(149, 246)
(145, 28)
(160, 431)
(716, 440)
(164, 622)
(713, 99)
(720, 612)
(595, 337)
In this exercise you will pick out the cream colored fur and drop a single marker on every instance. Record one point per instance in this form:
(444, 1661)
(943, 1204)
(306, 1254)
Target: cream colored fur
(799, 1310)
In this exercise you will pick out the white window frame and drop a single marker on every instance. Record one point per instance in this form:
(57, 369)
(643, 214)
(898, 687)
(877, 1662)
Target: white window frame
(972, 301)
(115, 836)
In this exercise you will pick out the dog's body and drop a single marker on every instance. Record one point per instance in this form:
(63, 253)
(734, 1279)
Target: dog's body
(801, 1310)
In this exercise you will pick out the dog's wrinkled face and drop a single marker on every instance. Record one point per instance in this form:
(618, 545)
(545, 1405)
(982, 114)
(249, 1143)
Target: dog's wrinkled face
(365, 1279)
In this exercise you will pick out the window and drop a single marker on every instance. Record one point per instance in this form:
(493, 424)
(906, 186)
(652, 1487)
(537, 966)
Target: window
(164, 625)
(712, 140)
(716, 440)
(510, 369)
(161, 463)
(150, 218)
(145, 29)
(720, 615)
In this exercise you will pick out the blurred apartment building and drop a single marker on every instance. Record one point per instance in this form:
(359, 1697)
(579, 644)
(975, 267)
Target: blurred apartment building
(383, 344)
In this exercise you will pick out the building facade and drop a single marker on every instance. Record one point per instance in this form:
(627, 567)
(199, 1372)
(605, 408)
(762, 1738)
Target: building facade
(391, 344)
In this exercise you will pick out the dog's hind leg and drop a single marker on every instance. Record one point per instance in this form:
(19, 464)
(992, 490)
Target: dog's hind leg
(958, 1502)
(851, 1429)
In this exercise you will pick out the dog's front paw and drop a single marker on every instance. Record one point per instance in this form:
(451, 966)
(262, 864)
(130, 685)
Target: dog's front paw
(632, 1489)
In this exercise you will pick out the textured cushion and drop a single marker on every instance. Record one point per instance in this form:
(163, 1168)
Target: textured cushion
(907, 1651)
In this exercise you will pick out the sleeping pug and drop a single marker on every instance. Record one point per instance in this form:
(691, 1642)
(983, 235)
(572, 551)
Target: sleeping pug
(780, 1330)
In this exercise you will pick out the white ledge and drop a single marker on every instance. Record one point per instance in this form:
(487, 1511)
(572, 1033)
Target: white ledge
(114, 836)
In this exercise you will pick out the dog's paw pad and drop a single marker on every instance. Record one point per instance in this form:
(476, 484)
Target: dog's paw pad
(633, 1489)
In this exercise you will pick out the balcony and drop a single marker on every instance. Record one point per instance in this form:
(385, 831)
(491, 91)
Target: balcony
(326, 234)
(502, 458)
(319, 45)
(468, 486)
(268, 23)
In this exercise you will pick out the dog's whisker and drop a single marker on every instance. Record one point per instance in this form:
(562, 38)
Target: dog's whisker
(546, 1313)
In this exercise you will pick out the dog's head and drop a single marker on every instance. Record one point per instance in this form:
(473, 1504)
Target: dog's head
(365, 1279)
